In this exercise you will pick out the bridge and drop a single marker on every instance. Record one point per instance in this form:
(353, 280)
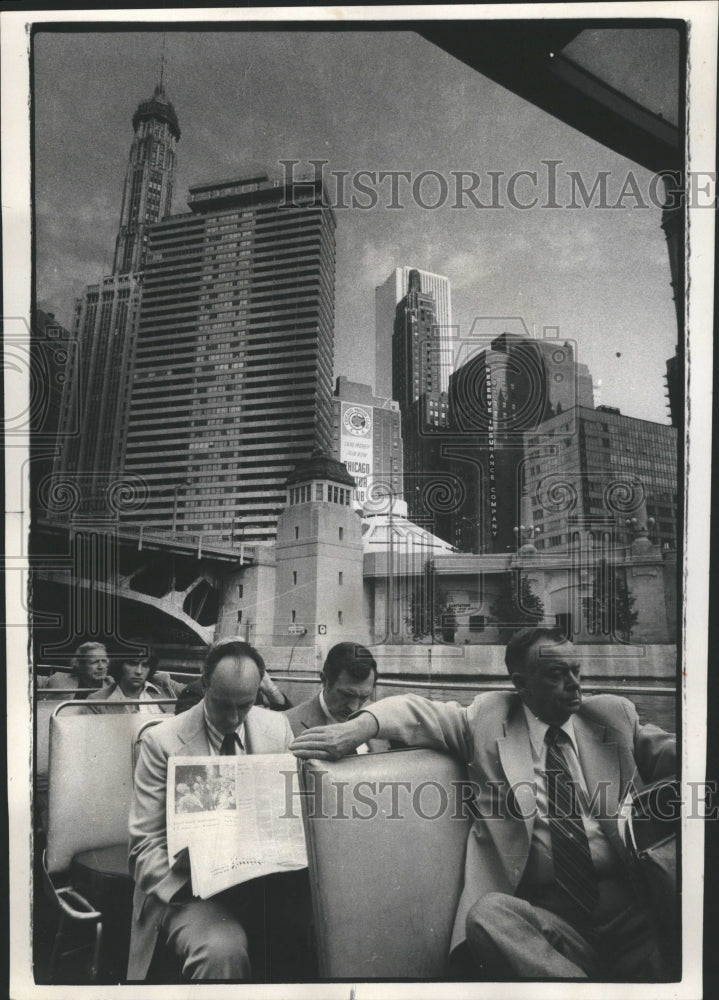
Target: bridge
(102, 578)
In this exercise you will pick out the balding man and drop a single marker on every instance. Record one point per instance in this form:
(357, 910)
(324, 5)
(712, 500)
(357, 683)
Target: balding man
(207, 936)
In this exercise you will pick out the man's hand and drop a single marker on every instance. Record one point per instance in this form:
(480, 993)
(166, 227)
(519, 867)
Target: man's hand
(333, 742)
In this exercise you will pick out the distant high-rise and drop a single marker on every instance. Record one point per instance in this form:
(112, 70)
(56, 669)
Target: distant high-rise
(585, 467)
(387, 297)
(147, 195)
(105, 319)
(416, 384)
(367, 438)
(501, 391)
(232, 381)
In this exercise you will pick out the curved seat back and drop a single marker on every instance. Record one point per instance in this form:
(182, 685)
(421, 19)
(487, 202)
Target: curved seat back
(90, 783)
(386, 840)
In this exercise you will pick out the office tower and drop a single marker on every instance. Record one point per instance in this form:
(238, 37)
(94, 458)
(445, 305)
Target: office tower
(367, 438)
(416, 387)
(147, 195)
(232, 382)
(387, 297)
(105, 318)
(598, 467)
(502, 390)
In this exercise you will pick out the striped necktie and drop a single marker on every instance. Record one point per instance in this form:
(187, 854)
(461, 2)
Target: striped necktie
(229, 745)
(574, 872)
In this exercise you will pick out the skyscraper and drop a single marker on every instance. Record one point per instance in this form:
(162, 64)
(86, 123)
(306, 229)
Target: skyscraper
(105, 318)
(232, 382)
(147, 195)
(501, 391)
(416, 379)
(387, 297)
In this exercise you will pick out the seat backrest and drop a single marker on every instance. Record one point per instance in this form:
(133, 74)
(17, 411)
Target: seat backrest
(90, 783)
(386, 840)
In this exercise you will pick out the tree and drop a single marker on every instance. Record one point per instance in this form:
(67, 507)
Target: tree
(516, 605)
(611, 609)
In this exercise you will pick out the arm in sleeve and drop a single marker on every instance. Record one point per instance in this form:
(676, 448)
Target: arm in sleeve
(148, 859)
(418, 722)
(655, 750)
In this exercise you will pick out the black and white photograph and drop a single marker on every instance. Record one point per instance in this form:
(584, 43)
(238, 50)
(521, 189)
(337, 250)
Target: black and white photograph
(204, 788)
(358, 377)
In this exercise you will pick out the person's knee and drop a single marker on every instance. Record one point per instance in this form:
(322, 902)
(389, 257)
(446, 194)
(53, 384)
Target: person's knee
(488, 910)
(224, 954)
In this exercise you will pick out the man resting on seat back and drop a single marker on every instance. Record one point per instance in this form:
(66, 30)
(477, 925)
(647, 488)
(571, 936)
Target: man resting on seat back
(549, 891)
(349, 676)
(208, 936)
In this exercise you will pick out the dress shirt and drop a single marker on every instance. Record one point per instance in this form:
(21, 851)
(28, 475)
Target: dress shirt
(215, 737)
(149, 693)
(539, 867)
(362, 748)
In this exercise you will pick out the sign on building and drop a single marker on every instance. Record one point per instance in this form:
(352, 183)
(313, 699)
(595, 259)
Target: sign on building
(356, 446)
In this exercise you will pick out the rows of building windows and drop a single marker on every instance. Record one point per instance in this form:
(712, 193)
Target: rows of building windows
(334, 494)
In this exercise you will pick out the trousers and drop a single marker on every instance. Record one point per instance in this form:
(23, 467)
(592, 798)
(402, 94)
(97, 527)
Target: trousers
(509, 937)
(256, 930)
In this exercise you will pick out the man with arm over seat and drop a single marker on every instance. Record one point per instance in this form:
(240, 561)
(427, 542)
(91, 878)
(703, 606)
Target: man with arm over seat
(549, 890)
(349, 676)
(209, 936)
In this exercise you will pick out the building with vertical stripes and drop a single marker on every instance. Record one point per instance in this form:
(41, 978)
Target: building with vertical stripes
(105, 318)
(233, 365)
(388, 295)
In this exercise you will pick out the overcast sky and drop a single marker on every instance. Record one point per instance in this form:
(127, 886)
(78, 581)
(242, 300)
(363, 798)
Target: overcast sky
(373, 101)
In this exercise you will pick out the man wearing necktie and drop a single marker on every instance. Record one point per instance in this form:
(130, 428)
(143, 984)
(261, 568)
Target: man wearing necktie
(207, 936)
(549, 891)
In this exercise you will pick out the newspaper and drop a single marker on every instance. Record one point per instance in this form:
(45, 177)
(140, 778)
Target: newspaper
(230, 815)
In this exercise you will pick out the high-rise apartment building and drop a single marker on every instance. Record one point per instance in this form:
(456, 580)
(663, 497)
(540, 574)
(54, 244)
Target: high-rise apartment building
(105, 318)
(367, 438)
(586, 468)
(232, 380)
(387, 297)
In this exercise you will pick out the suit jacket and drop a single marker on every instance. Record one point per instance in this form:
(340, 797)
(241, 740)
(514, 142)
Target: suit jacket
(309, 714)
(62, 681)
(492, 737)
(155, 883)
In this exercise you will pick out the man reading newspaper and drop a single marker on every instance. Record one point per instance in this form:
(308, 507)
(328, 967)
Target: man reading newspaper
(210, 937)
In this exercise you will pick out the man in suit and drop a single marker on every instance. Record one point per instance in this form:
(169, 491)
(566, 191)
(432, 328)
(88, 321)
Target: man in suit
(207, 936)
(549, 891)
(349, 676)
(136, 678)
(88, 668)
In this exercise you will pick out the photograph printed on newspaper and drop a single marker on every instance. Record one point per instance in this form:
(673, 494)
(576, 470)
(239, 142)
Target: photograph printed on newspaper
(358, 380)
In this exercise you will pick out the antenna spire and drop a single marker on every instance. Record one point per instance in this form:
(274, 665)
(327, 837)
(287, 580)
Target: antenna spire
(162, 63)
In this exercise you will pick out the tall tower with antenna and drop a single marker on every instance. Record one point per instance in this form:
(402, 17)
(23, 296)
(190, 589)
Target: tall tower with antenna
(147, 194)
(105, 320)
